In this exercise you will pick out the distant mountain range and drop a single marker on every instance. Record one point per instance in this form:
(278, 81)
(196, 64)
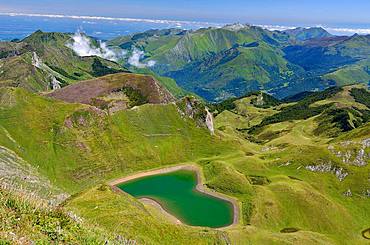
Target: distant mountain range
(218, 63)
(213, 63)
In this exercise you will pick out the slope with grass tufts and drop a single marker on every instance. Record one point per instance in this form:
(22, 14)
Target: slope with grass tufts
(42, 56)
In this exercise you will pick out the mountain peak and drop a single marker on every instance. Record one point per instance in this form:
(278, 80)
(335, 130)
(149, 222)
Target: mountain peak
(40, 37)
(303, 34)
(236, 26)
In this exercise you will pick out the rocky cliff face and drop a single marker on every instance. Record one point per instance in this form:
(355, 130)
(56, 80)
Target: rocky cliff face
(209, 122)
(196, 110)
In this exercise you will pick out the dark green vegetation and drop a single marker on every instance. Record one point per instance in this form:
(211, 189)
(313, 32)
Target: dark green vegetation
(99, 69)
(361, 96)
(176, 193)
(258, 99)
(289, 230)
(219, 63)
(302, 109)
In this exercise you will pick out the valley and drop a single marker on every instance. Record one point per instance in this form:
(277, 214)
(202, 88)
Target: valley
(211, 62)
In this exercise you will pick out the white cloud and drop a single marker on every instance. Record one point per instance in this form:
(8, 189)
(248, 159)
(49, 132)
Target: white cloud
(151, 63)
(348, 31)
(137, 56)
(276, 27)
(82, 45)
(84, 17)
(182, 24)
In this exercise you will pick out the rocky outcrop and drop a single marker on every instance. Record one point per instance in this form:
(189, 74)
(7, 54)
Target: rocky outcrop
(353, 153)
(339, 172)
(196, 110)
(36, 61)
(209, 122)
(55, 84)
(347, 193)
(260, 101)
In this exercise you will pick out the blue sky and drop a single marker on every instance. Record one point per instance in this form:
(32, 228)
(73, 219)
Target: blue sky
(293, 12)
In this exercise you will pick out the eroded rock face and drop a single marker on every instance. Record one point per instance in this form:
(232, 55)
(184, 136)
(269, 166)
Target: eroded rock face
(354, 153)
(55, 84)
(339, 172)
(260, 101)
(197, 111)
(36, 61)
(209, 122)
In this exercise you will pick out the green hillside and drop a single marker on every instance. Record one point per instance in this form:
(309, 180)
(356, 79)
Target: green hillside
(219, 63)
(294, 186)
(303, 34)
(42, 57)
(87, 145)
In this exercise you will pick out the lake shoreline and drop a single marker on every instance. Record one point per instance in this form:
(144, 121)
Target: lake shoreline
(157, 205)
(199, 187)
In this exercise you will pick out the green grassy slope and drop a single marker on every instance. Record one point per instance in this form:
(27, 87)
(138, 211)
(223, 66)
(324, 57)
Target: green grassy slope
(293, 180)
(224, 74)
(87, 146)
(54, 59)
(25, 219)
(286, 193)
(282, 200)
(303, 34)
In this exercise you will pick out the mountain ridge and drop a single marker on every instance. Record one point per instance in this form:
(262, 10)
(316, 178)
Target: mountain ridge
(299, 50)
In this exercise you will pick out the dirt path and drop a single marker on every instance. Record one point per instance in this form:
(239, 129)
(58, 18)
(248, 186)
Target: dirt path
(199, 187)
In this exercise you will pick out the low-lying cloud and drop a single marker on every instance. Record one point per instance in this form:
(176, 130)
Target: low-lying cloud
(82, 46)
(136, 57)
(124, 19)
(181, 23)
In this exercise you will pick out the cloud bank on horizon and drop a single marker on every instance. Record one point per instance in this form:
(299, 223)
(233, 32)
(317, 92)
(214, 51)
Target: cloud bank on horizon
(124, 19)
(181, 23)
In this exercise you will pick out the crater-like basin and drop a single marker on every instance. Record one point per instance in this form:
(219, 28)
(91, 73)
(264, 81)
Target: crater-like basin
(180, 194)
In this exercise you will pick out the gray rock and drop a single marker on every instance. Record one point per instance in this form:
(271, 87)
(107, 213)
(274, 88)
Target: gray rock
(328, 168)
(348, 193)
